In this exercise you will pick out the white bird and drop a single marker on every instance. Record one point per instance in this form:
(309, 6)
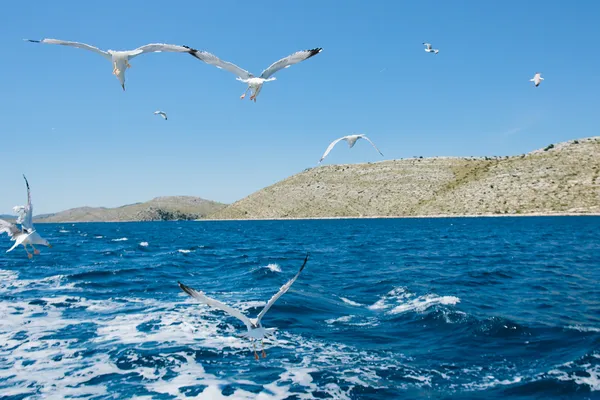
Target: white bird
(27, 235)
(119, 59)
(351, 139)
(537, 79)
(429, 49)
(15, 234)
(161, 113)
(254, 83)
(255, 329)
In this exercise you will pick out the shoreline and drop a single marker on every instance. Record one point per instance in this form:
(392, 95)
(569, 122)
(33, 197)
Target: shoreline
(572, 214)
(409, 217)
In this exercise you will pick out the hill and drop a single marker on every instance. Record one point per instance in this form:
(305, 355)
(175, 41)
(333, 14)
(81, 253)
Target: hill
(561, 178)
(158, 209)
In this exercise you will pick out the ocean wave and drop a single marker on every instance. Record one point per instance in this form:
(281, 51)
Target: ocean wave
(350, 302)
(123, 239)
(422, 303)
(144, 244)
(273, 267)
(584, 328)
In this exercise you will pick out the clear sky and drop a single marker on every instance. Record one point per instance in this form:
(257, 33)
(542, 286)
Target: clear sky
(81, 140)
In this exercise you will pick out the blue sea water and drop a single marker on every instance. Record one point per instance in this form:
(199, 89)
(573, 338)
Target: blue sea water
(466, 308)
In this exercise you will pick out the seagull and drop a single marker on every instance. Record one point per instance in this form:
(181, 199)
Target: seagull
(17, 235)
(254, 83)
(255, 329)
(429, 49)
(351, 139)
(537, 79)
(119, 59)
(161, 113)
(27, 235)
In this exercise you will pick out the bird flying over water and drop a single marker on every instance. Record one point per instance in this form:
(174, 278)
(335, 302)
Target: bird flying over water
(119, 59)
(429, 49)
(27, 235)
(255, 329)
(537, 79)
(254, 83)
(351, 139)
(161, 113)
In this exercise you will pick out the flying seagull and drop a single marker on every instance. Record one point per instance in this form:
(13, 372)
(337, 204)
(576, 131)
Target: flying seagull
(429, 49)
(161, 113)
(254, 83)
(27, 235)
(119, 59)
(537, 79)
(15, 234)
(351, 139)
(255, 329)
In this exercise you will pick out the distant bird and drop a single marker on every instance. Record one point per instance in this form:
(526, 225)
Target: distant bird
(429, 49)
(537, 79)
(255, 329)
(351, 139)
(119, 59)
(254, 83)
(27, 235)
(161, 113)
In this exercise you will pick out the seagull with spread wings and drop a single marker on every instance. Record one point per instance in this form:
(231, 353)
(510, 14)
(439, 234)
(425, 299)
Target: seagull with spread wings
(537, 79)
(429, 49)
(119, 59)
(161, 113)
(255, 329)
(27, 235)
(16, 235)
(254, 83)
(351, 139)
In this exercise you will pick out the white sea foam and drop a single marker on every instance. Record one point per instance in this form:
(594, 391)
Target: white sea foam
(123, 239)
(583, 328)
(393, 296)
(98, 237)
(273, 267)
(422, 303)
(345, 318)
(144, 244)
(593, 380)
(184, 251)
(350, 302)
(63, 231)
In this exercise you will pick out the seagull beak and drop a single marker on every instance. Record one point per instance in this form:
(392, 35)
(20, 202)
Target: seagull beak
(49, 246)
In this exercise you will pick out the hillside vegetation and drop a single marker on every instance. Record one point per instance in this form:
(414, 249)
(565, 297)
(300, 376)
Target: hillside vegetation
(561, 178)
(158, 209)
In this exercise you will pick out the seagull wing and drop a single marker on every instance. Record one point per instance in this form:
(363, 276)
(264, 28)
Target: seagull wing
(331, 146)
(73, 44)
(217, 62)
(200, 296)
(289, 61)
(10, 229)
(27, 222)
(283, 289)
(369, 140)
(428, 46)
(158, 48)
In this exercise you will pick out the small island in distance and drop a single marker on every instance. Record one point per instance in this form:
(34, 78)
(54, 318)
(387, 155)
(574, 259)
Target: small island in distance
(560, 179)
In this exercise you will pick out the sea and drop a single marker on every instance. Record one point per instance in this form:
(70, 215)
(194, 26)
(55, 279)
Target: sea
(422, 308)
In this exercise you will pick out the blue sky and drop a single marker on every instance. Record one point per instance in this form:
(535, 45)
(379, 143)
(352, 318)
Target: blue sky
(81, 140)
